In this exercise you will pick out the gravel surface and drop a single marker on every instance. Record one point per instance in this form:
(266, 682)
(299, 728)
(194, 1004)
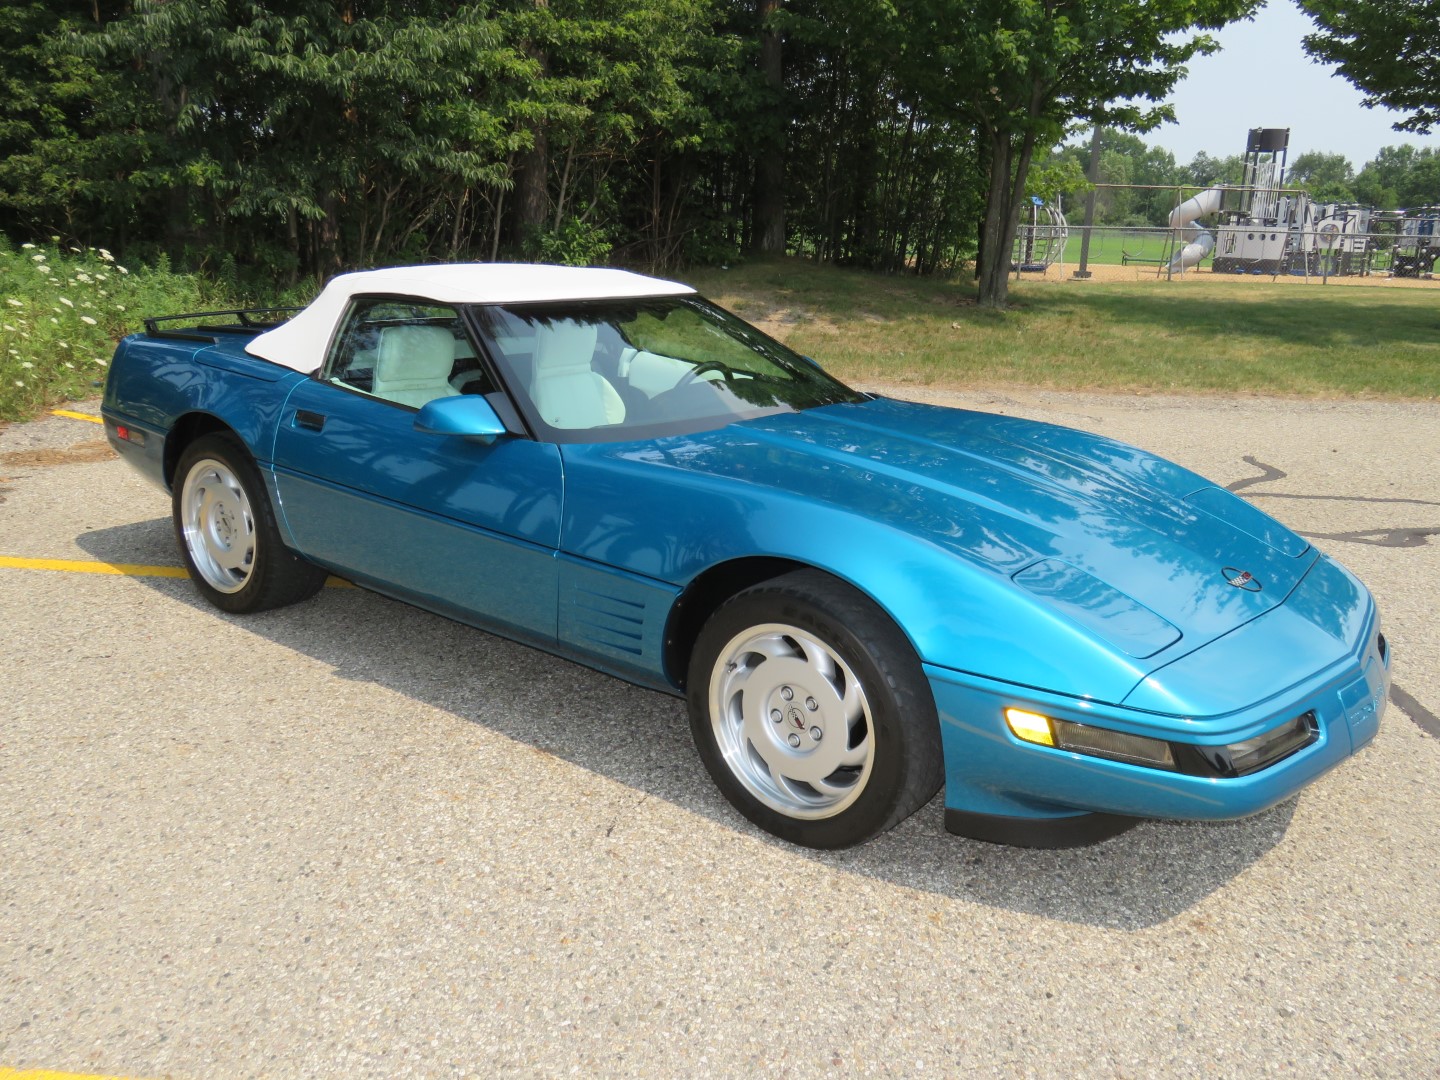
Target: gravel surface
(352, 839)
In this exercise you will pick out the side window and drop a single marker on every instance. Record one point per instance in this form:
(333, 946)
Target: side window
(405, 351)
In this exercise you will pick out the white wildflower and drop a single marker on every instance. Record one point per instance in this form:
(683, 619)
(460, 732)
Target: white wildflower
(38, 258)
(87, 320)
(86, 278)
(13, 302)
(121, 269)
(44, 269)
(75, 250)
(119, 307)
(69, 365)
(66, 302)
(27, 247)
(26, 364)
(19, 383)
(99, 361)
(14, 352)
(102, 277)
(11, 328)
(106, 256)
(54, 320)
(64, 344)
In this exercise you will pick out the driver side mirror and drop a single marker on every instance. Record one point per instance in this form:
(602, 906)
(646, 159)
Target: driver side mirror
(467, 414)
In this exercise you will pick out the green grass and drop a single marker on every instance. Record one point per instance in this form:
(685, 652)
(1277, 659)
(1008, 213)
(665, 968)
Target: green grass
(1246, 336)
(61, 312)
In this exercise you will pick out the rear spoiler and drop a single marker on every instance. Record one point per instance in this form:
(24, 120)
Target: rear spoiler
(248, 321)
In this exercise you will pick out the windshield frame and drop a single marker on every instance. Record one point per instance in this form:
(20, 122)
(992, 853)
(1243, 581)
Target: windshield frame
(806, 378)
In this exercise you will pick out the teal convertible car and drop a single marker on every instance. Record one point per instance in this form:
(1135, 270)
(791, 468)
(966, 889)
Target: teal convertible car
(863, 600)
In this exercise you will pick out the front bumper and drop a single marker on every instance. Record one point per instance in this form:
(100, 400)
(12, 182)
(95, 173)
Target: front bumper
(1001, 788)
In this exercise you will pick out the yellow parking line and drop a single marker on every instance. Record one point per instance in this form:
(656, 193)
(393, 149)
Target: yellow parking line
(48, 1074)
(87, 566)
(72, 416)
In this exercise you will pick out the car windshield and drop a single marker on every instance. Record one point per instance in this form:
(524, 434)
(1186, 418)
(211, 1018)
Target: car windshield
(609, 371)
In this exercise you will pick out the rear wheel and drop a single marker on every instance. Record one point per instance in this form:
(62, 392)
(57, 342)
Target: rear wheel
(227, 533)
(811, 712)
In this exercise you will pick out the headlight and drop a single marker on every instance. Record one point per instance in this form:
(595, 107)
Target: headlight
(1083, 739)
(1251, 755)
(1236, 759)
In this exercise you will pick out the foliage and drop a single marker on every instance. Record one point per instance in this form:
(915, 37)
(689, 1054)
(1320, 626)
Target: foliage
(63, 309)
(1127, 159)
(65, 139)
(1329, 178)
(1205, 171)
(1018, 71)
(1400, 177)
(1387, 48)
(248, 139)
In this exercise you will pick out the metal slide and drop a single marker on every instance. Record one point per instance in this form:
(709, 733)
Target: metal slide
(1183, 217)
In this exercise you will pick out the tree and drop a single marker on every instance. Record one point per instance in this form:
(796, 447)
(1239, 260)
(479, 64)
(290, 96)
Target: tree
(1020, 70)
(1390, 49)
(873, 180)
(1205, 171)
(1329, 178)
(67, 127)
(1126, 159)
(769, 198)
(1400, 177)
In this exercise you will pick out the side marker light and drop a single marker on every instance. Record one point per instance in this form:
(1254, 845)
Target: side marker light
(1030, 727)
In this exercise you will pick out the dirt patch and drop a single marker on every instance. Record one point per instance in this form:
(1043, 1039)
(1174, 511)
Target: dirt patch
(74, 454)
(779, 321)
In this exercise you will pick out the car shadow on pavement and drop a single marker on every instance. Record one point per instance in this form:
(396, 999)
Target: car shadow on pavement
(640, 738)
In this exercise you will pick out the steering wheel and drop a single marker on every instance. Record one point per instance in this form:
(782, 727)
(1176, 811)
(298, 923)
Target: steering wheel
(700, 369)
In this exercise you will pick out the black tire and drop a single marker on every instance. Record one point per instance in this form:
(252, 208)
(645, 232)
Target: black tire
(225, 528)
(849, 692)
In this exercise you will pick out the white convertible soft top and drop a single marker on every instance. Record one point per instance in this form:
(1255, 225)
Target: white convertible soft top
(301, 342)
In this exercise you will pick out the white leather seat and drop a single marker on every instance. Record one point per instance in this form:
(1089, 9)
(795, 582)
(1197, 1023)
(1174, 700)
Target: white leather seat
(567, 392)
(412, 364)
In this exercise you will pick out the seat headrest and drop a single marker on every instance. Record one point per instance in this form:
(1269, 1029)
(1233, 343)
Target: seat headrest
(414, 352)
(563, 347)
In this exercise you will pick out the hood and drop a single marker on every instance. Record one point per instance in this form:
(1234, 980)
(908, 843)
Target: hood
(1135, 548)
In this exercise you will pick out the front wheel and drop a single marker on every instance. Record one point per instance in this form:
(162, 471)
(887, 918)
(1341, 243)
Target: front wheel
(227, 533)
(811, 712)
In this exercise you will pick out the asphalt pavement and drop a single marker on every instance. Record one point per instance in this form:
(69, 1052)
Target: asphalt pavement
(351, 839)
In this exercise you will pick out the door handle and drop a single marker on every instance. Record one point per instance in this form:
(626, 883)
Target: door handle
(313, 420)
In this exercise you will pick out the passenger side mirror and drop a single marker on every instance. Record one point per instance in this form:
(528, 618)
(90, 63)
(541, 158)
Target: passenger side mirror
(467, 414)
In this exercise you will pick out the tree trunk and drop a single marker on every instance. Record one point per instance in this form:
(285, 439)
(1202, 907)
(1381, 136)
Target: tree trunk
(532, 195)
(769, 198)
(1008, 171)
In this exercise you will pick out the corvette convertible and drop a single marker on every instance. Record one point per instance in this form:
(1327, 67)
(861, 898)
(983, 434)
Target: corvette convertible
(862, 600)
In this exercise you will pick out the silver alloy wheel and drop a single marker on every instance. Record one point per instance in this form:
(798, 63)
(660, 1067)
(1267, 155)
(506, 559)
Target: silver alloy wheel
(219, 525)
(792, 721)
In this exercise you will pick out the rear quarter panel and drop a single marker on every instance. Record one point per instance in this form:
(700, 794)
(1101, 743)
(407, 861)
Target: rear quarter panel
(154, 383)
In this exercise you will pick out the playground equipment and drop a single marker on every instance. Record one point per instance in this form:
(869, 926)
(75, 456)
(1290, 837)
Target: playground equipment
(1266, 228)
(1342, 242)
(1417, 245)
(1040, 239)
(1254, 237)
(1183, 220)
